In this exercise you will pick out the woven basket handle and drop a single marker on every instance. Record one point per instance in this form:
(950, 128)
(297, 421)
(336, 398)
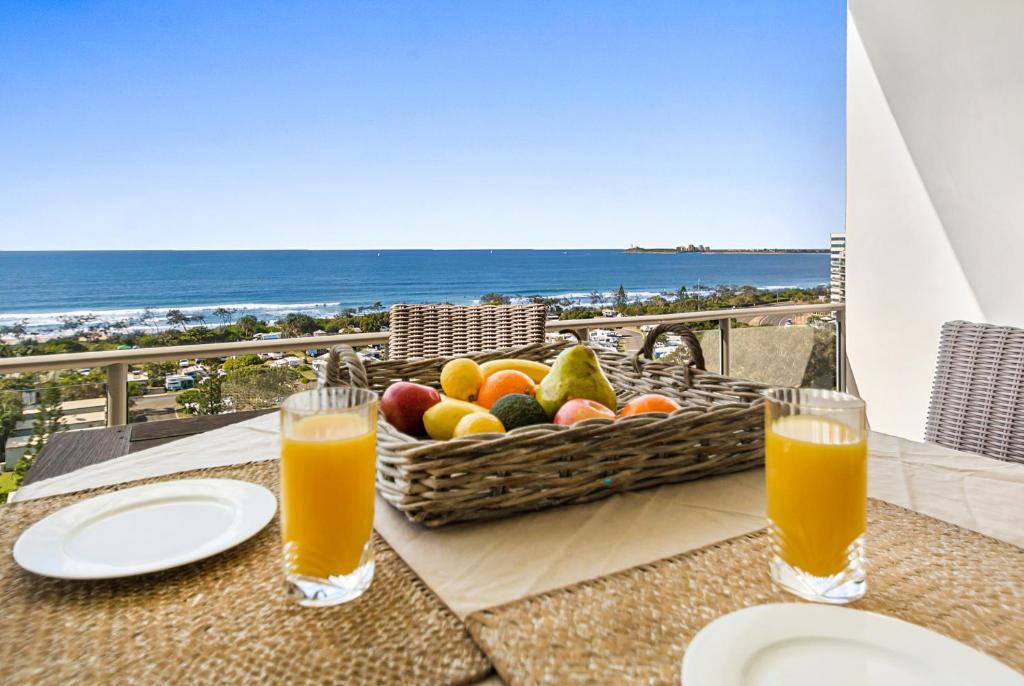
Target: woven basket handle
(344, 368)
(579, 334)
(689, 340)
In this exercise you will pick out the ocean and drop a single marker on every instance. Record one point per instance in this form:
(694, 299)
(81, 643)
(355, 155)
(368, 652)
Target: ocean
(41, 287)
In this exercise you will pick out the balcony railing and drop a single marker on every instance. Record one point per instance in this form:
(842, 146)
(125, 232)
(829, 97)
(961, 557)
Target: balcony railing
(116, 362)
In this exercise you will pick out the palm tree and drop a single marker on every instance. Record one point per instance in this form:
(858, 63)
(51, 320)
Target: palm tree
(596, 297)
(681, 293)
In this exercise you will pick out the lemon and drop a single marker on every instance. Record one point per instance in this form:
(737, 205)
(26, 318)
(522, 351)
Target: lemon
(478, 423)
(461, 379)
(441, 419)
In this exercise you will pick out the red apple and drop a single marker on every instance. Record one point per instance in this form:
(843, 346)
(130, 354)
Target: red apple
(579, 409)
(404, 403)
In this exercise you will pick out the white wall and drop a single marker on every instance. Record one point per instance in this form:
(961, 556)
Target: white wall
(935, 188)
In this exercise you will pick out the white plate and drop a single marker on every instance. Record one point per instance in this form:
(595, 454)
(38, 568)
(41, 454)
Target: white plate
(796, 645)
(145, 529)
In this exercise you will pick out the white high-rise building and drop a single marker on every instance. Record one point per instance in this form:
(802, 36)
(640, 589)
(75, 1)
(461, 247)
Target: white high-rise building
(837, 267)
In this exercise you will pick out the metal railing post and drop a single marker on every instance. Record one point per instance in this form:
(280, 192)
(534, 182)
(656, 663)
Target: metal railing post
(724, 329)
(841, 350)
(117, 394)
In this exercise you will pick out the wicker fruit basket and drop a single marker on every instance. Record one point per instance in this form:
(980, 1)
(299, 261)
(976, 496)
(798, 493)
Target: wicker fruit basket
(720, 429)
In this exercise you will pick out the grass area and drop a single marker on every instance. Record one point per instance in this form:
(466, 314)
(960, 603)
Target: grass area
(7, 482)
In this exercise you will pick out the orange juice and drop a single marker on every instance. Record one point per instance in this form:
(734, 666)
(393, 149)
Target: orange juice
(817, 491)
(328, 465)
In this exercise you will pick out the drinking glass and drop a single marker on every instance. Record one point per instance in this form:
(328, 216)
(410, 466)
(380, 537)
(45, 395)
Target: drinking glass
(328, 469)
(817, 467)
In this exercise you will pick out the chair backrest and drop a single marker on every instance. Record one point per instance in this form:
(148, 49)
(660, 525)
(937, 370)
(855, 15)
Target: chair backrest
(444, 330)
(977, 401)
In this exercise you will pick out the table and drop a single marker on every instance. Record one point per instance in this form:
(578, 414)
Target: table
(487, 564)
(71, 450)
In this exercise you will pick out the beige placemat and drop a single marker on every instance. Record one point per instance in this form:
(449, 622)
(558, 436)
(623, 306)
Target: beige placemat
(223, 620)
(633, 627)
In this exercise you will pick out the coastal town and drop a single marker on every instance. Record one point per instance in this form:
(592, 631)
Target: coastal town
(35, 406)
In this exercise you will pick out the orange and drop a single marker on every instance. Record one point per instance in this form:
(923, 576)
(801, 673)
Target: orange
(502, 383)
(651, 402)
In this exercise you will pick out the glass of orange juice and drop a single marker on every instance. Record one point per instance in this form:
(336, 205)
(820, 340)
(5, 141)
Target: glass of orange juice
(816, 465)
(328, 469)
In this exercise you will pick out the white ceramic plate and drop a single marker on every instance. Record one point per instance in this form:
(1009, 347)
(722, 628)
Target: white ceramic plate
(145, 529)
(802, 645)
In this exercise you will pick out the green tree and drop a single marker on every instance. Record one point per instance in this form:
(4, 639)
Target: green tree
(298, 324)
(596, 297)
(75, 385)
(49, 419)
(224, 313)
(746, 296)
(579, 312)
(494, 299)
(62, 345)
(147, 317)
(204, 399)
(177, 318)
(77, 323)
(18, 328)
(247, 325)
(621, 298)
(373, 322)
(256, 388)
(681, 294)
(156, 371)
(198, 334)
(241, 361)
(11, 410)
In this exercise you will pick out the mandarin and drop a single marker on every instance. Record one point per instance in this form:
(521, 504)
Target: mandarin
(503, 383)
(650, 402)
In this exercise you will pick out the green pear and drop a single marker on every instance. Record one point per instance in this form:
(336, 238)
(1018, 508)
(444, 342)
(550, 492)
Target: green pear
(576, 373)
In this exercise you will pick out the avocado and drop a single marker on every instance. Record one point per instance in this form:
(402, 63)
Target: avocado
(518, 409)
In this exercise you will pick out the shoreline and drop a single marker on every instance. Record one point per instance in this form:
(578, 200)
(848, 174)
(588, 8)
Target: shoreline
(727, 251)
(47, 325)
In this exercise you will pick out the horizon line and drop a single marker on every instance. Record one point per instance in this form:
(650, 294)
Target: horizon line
(128, 250)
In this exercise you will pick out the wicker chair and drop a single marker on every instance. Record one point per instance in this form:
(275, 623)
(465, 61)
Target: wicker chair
(977, 402)
(421, 331)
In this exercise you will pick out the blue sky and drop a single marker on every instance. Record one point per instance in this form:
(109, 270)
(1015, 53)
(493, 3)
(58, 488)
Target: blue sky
(340, 125)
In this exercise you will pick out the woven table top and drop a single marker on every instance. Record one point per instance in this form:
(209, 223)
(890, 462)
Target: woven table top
(223, 620)
(633, 627)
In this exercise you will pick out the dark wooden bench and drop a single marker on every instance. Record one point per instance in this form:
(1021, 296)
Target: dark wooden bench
(67, 451)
